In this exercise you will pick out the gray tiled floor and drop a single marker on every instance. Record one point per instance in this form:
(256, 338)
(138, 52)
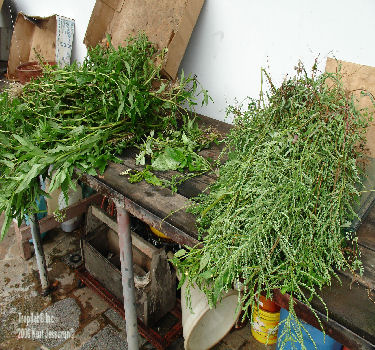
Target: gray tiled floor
(92, 323)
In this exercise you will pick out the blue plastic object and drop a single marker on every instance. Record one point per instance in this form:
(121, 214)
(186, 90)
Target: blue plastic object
(321, 342)
(87, 191)
(42, 205)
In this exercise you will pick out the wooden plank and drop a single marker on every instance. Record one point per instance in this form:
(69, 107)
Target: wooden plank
(366, 236)
(207, 122)
(367, 280)
(366, 232)
(350, 306)
(164, 225)
(192, 187)
(368, 261)
(189, 188)
(159, 201)
(162, 203)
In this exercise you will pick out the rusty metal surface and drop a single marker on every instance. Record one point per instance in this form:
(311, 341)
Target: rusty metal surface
(158, 341)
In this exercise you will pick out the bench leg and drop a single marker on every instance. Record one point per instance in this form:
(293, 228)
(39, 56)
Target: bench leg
(39, 254)
(126, 257)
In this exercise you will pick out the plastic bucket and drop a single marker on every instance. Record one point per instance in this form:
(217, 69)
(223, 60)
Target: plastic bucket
(264, 326)
(204, 327)
(267, 304)
(56, 201)
(74, 196)
(322, 343)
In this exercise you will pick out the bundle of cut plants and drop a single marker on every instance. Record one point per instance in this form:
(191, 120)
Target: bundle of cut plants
(81, 117)
(277, 216)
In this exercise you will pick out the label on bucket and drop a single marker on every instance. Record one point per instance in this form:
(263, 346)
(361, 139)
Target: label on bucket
(265, 325)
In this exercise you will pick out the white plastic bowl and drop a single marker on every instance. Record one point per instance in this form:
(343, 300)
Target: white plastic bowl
(73, 197)
(204, 327)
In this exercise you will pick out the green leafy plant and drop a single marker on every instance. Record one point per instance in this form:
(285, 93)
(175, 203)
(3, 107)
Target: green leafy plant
(174, 150)
(277, 216)
(81, 117)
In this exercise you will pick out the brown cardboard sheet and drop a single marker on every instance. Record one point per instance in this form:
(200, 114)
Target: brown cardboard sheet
(357, 78)
(167, 24)
(51, 37)
(38, 34)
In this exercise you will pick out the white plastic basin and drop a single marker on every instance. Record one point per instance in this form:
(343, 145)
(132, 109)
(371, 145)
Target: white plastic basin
(204, 327)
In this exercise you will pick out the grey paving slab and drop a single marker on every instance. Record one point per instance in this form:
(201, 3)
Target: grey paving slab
(120, 323)
(55, 324)
(83, 336)
(107, 339)
(116, 319)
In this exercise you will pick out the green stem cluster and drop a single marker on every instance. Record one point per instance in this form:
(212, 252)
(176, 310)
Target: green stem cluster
(81, 117)
(277, 216)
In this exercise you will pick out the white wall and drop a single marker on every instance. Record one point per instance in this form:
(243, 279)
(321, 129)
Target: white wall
(233, 39)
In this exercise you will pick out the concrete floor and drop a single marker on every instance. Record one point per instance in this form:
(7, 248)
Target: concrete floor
(75, 318)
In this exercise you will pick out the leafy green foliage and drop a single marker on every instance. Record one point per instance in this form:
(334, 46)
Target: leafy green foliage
(275, 217)
(174, 150)
(80, 117)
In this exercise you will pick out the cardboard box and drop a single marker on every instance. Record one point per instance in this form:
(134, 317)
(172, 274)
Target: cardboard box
(51, 37)
(168, 24)
(355, 79)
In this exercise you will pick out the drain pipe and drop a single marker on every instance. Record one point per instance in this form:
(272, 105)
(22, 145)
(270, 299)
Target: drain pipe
(39, 254)
(126, 255)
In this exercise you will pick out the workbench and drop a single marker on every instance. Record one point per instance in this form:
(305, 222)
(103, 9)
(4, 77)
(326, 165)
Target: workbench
(351, 304)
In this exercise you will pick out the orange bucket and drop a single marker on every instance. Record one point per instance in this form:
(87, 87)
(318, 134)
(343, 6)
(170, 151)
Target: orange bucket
(267, 304)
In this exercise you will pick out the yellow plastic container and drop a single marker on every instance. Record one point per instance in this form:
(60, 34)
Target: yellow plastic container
(264, 326)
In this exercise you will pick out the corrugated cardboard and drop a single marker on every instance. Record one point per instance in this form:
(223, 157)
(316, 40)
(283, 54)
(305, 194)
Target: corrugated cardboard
(51, 37)
(357, 78)
(168, 24)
